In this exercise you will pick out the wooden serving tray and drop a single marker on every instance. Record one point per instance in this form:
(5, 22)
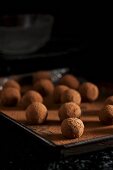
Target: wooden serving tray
(96, 136)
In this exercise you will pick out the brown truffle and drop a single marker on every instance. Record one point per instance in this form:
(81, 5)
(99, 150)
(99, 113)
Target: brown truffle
(106, 115)
(72, 128)
(58, 91)
(89, 91)
(41, 75)
(69, 110)
(71, 95)
(44, 87)
(12, 83)
(70, 81)
(10, 96)
(30, 97)
(36, 113)
(109, 100)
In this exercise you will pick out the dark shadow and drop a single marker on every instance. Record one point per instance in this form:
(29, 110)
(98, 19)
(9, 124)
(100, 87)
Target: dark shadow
(53, 106)
(91, 113)
(53, 122)
(47, 122)
(92, 124)
(54, 137)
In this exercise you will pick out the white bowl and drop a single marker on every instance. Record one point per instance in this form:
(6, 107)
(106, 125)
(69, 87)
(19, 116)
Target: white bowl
(26, 38)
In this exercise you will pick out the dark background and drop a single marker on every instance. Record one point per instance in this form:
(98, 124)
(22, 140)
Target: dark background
(75, 26)
(70, 34)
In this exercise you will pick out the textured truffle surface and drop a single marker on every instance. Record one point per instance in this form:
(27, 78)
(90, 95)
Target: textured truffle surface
(30, 97)
(89, 91)
(69, 110)
(36, 113)
(10, 96)
(106, 115)
(58, 91)
(70, 81)
(72, 128)
(44, 87)
(109, 100)
(71, 95)
(12, 83)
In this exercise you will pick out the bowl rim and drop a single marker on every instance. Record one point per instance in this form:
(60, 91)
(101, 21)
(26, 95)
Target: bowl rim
(46, 18)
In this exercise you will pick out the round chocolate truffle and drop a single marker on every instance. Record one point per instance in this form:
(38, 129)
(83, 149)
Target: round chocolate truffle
(89, 91)
(41, 75)
(109, 100)
(44, 87)
(58, 91)
(70, 81)
(71, 95)
(10, 96)
(69, 110)
(106, 115)
(30, 97)
(72, 128)
(36, 113)
(12, 83)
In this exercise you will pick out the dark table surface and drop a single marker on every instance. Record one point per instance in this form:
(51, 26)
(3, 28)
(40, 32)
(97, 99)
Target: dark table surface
(98, 160)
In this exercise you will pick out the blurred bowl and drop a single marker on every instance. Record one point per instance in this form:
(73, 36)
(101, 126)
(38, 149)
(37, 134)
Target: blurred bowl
(29, 34)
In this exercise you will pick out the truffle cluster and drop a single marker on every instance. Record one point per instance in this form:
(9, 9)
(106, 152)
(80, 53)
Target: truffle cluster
(68, 93)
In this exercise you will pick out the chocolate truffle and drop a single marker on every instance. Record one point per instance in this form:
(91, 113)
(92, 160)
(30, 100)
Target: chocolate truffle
(41, 75)
(89, 91)
(72, 128)
(70, 81)
(69, 110)
(36, 113)
(58, 91)
(71, 95)
(12, 83)
(106, 115)
(44, 87)
(10, 96)
(30, 97)
(109, 100)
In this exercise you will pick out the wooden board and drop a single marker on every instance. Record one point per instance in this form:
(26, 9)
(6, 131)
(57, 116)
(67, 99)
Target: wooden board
(51, 131)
